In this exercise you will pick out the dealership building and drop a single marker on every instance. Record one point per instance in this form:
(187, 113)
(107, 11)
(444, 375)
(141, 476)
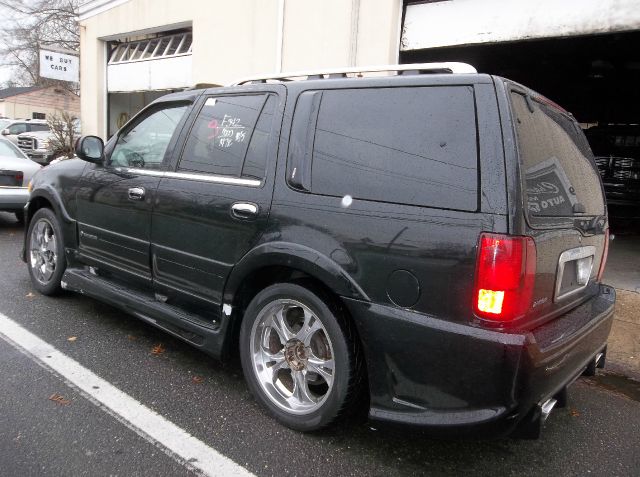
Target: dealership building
(582, 54)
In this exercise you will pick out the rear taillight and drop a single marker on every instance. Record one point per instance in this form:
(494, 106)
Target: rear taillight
(505, 276)
(603, 262)
(19, 177)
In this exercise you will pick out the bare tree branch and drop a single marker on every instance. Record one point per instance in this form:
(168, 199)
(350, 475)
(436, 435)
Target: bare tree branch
(31, 26)
(63, 134)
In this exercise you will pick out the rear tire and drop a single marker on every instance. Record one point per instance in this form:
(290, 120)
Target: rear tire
(300, 356)
(45, 252)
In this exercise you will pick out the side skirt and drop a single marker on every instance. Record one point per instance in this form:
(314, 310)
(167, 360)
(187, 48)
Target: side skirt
(206, 336)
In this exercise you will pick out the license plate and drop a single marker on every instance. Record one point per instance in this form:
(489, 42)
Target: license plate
(574, 271)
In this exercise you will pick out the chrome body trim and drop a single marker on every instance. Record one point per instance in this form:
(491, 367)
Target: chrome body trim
(192, 176)
(245, 207)
(450, 67)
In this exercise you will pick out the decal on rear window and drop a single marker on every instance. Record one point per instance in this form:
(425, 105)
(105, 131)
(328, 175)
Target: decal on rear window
(549, 188)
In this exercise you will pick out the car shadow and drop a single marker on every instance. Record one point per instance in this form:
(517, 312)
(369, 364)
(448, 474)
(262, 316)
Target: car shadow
(9, 223)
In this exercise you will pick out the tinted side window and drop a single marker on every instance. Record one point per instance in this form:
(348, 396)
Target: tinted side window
(255, 163)
(39, 127)
(143, 145)
(405, 145)
(225, 137)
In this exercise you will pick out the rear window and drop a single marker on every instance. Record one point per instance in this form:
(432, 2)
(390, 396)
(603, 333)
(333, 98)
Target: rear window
(8, 150)
(560, 176)
(413, 146)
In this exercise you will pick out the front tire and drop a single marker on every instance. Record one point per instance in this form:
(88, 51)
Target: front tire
(45, 252)
(300, 356)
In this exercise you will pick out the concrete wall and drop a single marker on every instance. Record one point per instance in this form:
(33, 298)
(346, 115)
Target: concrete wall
(166, 73)
(461, 22)
(233, 39)
(49, 101)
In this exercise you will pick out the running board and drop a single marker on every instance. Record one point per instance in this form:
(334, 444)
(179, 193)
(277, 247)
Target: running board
(208, 337)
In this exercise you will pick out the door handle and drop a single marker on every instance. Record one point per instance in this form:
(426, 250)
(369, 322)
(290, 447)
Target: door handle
(136, 193)
(244, 210)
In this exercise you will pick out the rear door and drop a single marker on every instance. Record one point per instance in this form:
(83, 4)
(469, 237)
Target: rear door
(563, 205)
(214, 204)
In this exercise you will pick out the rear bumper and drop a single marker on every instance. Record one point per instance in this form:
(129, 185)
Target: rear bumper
(13, 198)
(453, 378)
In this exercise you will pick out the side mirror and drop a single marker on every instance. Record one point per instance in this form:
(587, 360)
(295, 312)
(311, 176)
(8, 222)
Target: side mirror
(6, 132)
(90, 149)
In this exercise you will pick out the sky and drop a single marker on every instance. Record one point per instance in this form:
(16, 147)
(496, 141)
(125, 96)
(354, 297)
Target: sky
(5, 18)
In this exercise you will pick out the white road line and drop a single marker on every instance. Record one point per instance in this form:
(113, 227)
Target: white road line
(174, 441)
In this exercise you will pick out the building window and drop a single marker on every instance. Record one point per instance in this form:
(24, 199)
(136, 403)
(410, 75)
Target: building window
(38, 116)
(162, 47)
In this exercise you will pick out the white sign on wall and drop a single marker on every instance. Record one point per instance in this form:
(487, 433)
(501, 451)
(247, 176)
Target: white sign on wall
(59, 66)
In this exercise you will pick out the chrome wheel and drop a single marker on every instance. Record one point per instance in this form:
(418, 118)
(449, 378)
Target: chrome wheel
(43, 256)
(292, 356)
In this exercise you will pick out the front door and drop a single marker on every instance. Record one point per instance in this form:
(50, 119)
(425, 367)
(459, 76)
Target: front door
(213, 207)
(115, 198)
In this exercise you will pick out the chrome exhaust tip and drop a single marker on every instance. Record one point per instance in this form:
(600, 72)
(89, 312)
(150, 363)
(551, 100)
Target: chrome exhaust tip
(546, 408)
(599, 357)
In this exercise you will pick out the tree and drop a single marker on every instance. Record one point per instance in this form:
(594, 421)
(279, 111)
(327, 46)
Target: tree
(34, 25)
(63, 134)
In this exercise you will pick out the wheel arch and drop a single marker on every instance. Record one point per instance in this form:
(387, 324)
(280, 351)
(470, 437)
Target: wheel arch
(283, 262)
(47, 197)
(292, 256)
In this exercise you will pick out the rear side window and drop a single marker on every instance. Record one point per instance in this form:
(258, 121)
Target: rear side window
(560, 176)
(39, 127)
(230, 136)
(405, 145)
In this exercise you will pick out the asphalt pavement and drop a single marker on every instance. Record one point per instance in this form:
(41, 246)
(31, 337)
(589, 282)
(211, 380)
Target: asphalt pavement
(48, 427)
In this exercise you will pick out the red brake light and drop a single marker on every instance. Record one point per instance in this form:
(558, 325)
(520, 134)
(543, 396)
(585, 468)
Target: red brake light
(505, 276)
(605, 254)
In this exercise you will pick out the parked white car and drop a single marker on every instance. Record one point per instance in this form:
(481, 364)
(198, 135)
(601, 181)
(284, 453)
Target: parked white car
(40, 146)
(11, 128)
(16, 170)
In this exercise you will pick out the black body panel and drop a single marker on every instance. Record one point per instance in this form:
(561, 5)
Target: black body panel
(197, 237)
(114, 231)
(429, 372)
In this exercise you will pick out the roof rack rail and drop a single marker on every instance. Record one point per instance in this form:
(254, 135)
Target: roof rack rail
(445, 67)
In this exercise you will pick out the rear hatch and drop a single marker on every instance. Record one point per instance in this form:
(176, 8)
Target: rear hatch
(563, 205)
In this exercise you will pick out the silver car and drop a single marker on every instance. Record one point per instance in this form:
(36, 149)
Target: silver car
(16, 170)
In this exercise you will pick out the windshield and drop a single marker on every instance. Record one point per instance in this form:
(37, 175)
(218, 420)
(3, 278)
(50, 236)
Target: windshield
(561, 178)
(9, 150)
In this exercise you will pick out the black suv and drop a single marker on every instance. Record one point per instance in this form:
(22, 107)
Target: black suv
(428, 244)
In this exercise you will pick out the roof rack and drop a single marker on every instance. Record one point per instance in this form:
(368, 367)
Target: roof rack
(414, 68)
